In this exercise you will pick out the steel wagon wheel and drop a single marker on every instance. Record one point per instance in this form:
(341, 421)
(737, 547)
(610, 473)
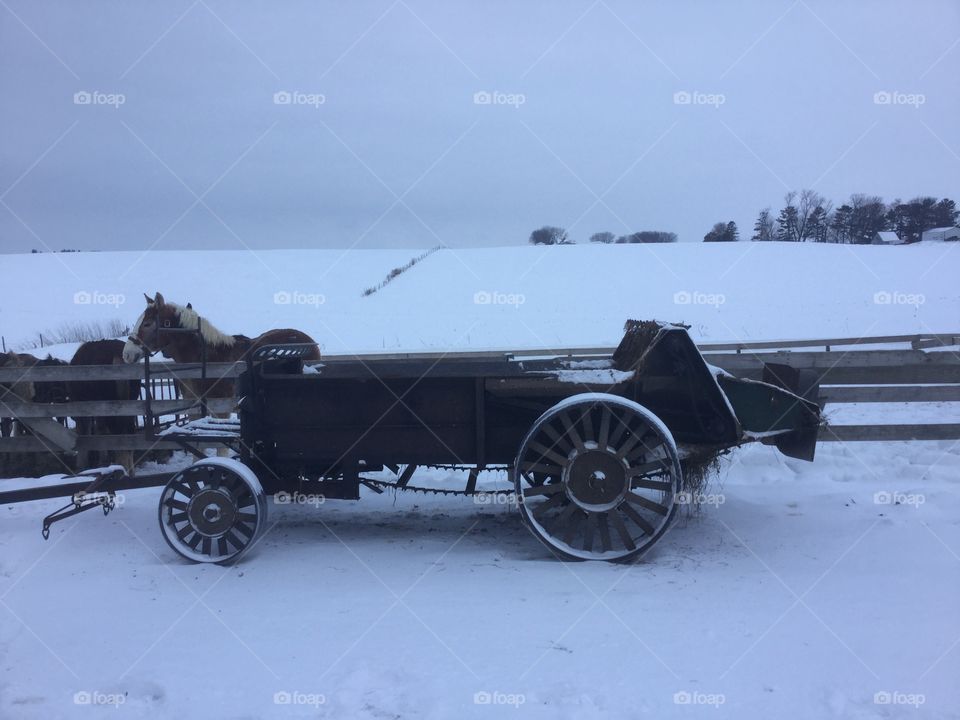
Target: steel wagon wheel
(213, 511)
(597, 478)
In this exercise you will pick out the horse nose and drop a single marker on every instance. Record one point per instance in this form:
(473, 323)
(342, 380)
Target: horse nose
(131, 353)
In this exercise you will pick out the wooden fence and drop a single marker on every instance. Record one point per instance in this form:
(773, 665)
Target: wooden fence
(852, 375)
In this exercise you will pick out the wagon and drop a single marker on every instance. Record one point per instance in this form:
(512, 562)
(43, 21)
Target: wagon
(596, 447)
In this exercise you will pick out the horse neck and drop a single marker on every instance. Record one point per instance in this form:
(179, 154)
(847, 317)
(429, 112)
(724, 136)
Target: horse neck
(187, 348)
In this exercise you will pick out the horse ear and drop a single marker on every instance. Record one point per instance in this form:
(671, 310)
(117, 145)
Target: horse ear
(149, 299)
(158, 299)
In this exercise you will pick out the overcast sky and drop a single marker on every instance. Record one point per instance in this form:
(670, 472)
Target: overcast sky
(132, 124)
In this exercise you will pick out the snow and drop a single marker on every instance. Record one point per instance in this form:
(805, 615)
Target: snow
(798, 590)
(801, 591)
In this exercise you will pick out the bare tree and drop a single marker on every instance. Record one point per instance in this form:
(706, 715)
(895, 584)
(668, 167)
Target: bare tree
(549, 235)
(603, 237)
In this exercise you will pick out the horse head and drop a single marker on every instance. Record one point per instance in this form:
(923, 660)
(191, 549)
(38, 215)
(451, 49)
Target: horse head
(147, 337)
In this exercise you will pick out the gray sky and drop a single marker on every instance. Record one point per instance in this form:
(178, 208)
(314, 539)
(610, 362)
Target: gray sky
(588, 131)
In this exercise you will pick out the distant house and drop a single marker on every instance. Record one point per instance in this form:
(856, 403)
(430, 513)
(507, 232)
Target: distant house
(886, 237)
(942, 234)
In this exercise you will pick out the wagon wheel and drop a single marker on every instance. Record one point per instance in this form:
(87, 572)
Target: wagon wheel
(213, 511)
(597, 478)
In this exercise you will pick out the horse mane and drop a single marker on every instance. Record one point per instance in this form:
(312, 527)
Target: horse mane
(212, 336)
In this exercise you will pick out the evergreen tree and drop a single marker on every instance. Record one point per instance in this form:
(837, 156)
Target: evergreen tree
(763, 228)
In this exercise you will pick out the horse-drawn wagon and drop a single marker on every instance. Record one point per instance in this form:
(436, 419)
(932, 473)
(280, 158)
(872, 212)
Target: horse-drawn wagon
(595, 446)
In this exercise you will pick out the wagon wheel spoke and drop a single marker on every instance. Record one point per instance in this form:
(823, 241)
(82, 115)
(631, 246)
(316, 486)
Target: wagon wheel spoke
(621, 529)
(638, 519)
(554, 501)
(546, 469)
(558, 440)
(572, 432)
(659, 485)
(647, 468)
(542, 490)
(647, 503)
(576, 518)
(589, 530)
(587, 419)
(540, 452)
(604, 531)
(620, 426)
(605, 419)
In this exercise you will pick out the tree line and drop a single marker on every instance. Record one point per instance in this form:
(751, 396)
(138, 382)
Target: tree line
(807, 216)
(550, 235)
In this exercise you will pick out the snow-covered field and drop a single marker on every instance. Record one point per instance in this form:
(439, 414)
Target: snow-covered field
(512, 297)
(800, 590)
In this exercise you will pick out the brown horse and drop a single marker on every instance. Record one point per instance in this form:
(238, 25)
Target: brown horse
(22, 390)
(153, 333)
(105, 352)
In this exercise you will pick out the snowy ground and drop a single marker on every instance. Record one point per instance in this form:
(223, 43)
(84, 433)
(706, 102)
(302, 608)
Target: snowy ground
(799, 592)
